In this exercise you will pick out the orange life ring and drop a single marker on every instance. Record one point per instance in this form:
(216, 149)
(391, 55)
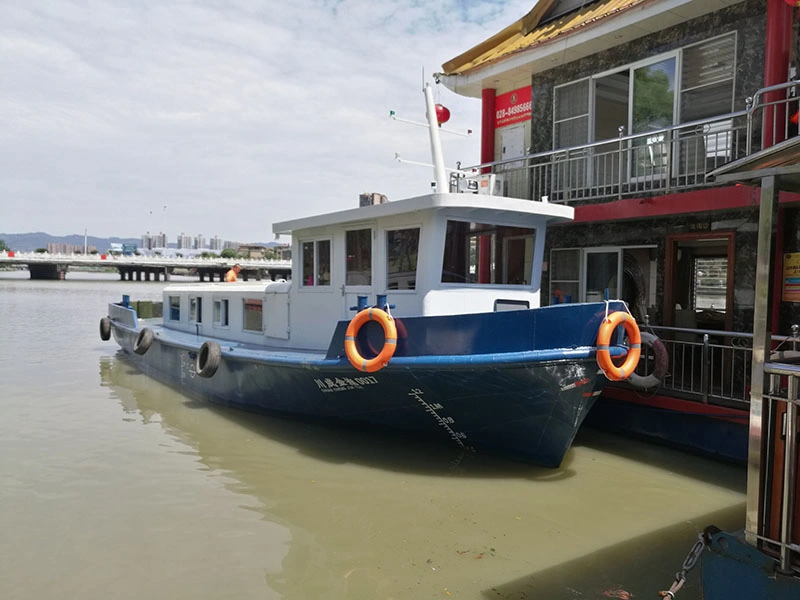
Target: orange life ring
(607, 327)
(389, 345)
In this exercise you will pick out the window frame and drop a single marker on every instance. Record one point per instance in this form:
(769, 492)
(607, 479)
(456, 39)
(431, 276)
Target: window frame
(498, 271)
(196, 309)
(677, 54)
(372, 255)
(386, 232)
(316, 285)
(218, 323)
(252, 301)
(583, 265)
(173, 315)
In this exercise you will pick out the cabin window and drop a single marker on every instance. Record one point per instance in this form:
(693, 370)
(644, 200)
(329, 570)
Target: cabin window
(253, 311)
(488, 254)
(358, 248)
(196, 310)
(316, 263)
(221, 313)
(402, 250)
(174, 308)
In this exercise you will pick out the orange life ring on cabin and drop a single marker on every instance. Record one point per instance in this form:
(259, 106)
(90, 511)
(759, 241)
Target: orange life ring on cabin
(607, 327)
(389, 345)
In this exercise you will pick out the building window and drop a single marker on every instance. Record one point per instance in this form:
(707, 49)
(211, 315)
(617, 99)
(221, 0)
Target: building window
(587, 274)
(488, 254)
(358, 248)
(402, 251)
(253, 311)
(571, 114)
(174, 308)
(710, 285)
(221, 313)
(196, 310)
(316, 263)
(692, 83)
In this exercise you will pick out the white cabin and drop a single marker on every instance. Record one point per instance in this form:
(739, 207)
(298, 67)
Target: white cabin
(438, 254)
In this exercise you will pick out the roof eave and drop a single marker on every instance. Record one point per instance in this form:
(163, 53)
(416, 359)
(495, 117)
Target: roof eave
(634, 22)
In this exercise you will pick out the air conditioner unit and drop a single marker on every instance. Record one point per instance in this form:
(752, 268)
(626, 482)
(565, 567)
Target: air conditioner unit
(486, 184)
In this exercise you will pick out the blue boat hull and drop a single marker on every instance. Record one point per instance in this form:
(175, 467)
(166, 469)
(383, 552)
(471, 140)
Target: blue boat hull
(708, 430)
(734, 569)
(525, 404)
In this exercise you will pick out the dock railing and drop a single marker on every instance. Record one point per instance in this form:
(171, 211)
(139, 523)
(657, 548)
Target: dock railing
(659, 161)
(779, 527)
(709, 366)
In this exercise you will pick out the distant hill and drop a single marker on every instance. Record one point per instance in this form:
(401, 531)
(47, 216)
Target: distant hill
(28, 242)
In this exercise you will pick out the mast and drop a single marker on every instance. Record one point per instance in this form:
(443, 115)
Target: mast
(439, 174)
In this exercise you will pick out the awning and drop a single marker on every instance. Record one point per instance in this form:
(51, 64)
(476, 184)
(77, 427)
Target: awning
(781, 160)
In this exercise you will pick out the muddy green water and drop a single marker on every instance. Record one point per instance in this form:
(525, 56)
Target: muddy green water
(113, 486)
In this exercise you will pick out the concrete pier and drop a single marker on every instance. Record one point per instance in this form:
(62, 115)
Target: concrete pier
(51, 271)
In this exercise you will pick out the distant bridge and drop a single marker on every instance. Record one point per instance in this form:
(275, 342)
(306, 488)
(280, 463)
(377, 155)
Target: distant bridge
(144, 268)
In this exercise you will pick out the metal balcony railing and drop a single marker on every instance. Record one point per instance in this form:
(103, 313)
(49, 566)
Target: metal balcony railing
(658, 161)
(712, 366)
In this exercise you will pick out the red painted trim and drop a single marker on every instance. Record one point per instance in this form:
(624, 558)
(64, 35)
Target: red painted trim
(707, 200)
(487, 125)
(776, 64)
(677, 405)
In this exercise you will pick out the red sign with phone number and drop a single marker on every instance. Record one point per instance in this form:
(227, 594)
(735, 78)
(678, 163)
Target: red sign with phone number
(512, 107)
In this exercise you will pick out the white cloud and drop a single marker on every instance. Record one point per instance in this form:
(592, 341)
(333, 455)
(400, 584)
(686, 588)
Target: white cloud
(232, 114)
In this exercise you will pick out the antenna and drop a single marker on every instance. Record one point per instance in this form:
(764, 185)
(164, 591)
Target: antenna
(434, 127)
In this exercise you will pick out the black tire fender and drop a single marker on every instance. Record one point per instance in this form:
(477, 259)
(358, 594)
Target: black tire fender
(661, 364)
(105, 329)
(208, 359)
(143, 341)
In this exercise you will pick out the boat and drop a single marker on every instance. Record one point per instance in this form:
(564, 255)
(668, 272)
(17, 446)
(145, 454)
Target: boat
(420, 315)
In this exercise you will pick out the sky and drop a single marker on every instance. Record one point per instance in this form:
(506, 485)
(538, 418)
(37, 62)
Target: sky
(221, 117)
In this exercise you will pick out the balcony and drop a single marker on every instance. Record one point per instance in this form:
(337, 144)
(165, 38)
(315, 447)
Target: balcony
(658, 162)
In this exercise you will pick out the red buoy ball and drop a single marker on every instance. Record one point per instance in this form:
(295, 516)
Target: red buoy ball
(442, 114)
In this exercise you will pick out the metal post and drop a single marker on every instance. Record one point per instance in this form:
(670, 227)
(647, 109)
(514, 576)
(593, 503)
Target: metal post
(668, 175)
(621, 130)
(436, 145)
(760, 341)
(789, 471)
(706, 380)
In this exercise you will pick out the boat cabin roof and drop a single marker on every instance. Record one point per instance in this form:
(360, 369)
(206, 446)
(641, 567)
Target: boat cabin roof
(501, 209)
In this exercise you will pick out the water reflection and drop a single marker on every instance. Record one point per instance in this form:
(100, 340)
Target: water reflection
(376, 515)
(380, 449)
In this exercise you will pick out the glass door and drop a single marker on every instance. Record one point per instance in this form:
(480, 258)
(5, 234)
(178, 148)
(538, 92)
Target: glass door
(602, 271)
(611, 111)
(652, 108)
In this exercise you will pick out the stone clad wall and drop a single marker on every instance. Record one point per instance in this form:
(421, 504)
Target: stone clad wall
(747, 18)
